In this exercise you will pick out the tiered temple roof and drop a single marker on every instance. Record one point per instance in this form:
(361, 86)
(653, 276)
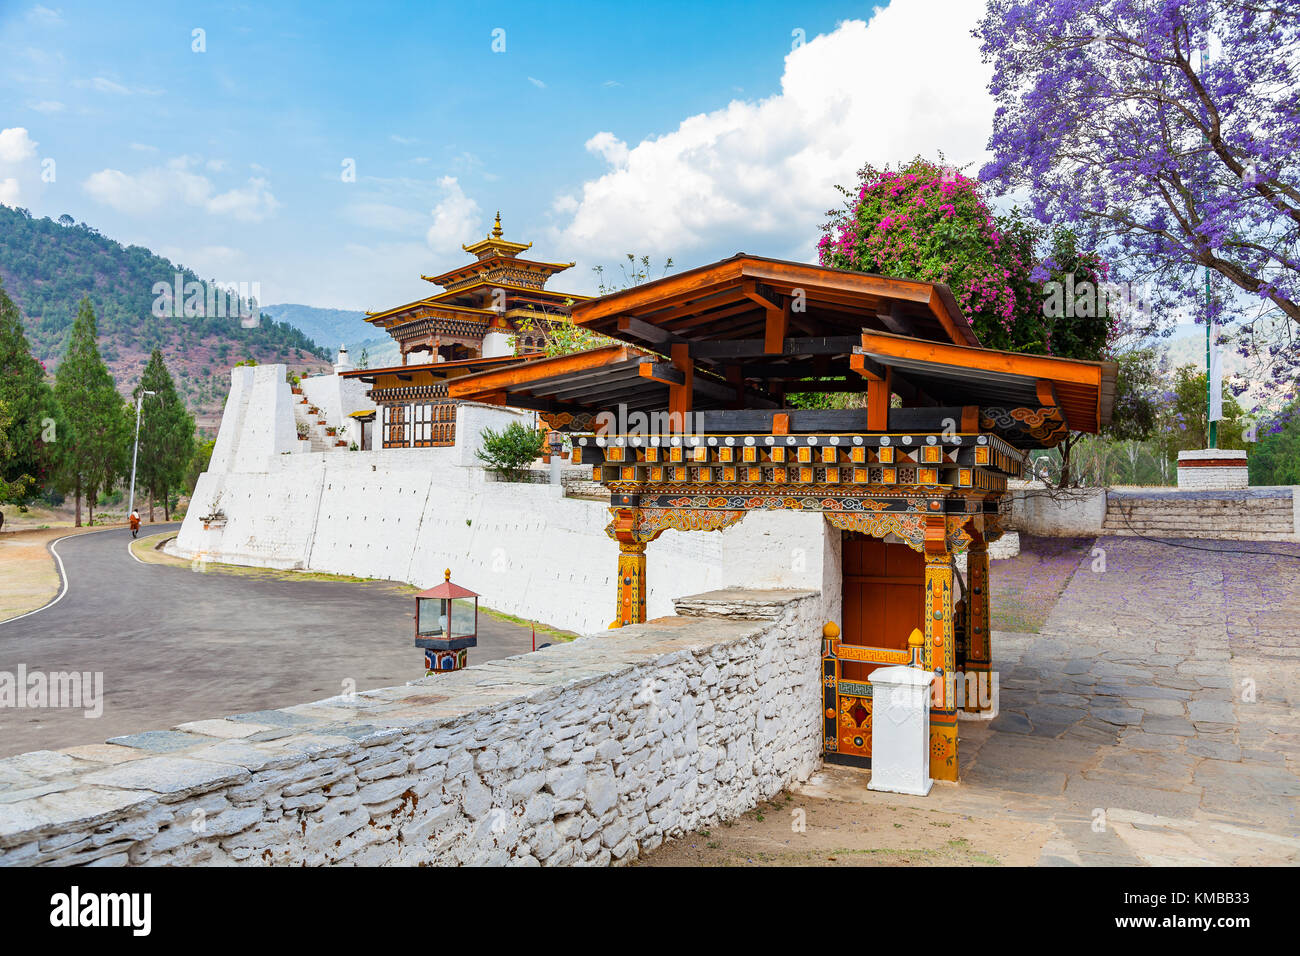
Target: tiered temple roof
(497, 292)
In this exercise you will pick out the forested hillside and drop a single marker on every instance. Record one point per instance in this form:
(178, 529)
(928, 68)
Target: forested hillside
(47, 267)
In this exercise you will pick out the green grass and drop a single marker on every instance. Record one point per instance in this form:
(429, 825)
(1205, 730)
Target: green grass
(542, 629)
(239, 570)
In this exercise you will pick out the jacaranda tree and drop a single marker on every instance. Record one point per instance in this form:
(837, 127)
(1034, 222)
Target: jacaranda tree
(1112, 119)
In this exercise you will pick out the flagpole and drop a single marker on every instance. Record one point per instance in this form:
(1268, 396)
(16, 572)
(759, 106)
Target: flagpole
(135, 450)
(1209, 367)
(1212, 425)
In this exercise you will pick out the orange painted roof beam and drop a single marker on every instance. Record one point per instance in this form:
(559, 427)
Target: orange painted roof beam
(515, 375)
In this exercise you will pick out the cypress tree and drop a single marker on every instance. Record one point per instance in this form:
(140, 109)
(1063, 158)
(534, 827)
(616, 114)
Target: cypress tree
(166, 435)
(32, 429)
(95, 452)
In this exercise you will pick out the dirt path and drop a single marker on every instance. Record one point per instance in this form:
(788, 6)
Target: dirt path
(802, 830)
(1149, 719)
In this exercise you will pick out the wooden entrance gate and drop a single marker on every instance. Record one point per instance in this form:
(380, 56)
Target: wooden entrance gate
(883, 600)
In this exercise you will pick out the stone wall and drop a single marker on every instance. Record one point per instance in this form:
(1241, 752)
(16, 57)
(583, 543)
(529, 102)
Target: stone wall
(1251, 514)
(1247, 514)
(584, 753)
(1038, 510)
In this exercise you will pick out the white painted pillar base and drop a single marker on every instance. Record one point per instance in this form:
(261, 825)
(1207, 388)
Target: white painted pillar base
(900, 730)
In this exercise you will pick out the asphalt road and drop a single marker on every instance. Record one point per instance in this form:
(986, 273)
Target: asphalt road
(176, 645)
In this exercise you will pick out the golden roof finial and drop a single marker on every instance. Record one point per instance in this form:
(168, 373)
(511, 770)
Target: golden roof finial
(496, 230)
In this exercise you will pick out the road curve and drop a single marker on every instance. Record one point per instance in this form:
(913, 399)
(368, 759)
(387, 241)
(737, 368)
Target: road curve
(175, 645)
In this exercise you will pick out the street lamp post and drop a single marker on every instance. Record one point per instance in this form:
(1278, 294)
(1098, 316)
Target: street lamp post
(135, 450)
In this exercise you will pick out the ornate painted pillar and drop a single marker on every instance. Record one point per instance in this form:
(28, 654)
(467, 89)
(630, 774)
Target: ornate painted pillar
(941, 651)
(632, 539)
(978, 697)
(631, 583)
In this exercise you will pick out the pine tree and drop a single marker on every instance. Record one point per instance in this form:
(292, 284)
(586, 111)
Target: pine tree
(8, 489)
(95, 450)
(166, 435)
(33, 426)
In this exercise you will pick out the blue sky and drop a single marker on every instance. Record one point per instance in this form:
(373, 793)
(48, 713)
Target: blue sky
(685, 130)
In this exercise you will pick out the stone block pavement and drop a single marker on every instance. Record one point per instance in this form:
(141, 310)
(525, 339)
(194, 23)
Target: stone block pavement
(1153, 720)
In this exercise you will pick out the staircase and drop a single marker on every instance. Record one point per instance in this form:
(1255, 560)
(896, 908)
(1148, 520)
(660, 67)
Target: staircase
(1251, 514)
(305, 413)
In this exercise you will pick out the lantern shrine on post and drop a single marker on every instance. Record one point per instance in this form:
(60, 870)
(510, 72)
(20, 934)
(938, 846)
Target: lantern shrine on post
(686, 423)
(446, 625)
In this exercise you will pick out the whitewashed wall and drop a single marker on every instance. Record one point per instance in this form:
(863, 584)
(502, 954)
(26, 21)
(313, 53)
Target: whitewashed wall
(338, 398)
(406, 514)
(268, 428)
(232, 420)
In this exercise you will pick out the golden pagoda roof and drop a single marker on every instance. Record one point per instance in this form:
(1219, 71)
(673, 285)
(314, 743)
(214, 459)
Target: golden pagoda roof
(510, 287)
(429, 303)
(487, 263)
(494, 244)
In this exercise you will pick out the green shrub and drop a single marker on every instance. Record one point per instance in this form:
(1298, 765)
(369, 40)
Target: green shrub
(511, 449)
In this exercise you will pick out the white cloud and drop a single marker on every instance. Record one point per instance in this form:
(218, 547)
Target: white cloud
(208, 260)
(105, 85)
(455, 218)
(759, 175)
(16, 145)
(613, 149)
(44, 15)
(176, 184)
(9, 191)
(251, 203)
(144, 148)
(46, 106)
(537, 83)
(403, 140)
(385, 216)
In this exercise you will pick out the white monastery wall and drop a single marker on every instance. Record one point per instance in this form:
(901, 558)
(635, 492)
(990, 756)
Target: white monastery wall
(338, 398)
(587, 753)
(232, 420)
(406, 514)
(496, 344)
(267, 428)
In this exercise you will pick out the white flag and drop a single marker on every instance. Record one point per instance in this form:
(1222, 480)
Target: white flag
(1216, 376)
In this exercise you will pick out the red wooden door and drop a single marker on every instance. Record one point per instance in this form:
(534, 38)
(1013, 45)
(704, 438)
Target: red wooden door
(883, 585)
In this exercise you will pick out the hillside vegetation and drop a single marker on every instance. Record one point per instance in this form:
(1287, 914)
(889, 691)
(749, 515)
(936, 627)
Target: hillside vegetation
(47, 267)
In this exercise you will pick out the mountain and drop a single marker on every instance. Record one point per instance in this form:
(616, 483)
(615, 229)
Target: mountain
(47, 266)
(1188, 348)
(330, 328)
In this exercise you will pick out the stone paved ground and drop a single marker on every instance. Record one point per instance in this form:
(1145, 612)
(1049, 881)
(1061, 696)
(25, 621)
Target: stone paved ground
(1154, 719)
